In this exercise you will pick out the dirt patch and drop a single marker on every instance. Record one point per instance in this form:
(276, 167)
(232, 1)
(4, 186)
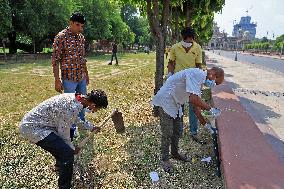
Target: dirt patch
(40, 71)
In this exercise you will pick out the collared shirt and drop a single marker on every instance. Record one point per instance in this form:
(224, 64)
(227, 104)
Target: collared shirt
(177, 89)
(56, 114)
(184, 60)
(69, 52)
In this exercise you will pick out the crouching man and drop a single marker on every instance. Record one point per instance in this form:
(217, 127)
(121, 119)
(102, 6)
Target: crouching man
(48, 126)
(178, 89)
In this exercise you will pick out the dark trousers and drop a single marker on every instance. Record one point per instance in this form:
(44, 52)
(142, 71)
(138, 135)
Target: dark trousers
(170, 129)
(114, 55)
(64, 156)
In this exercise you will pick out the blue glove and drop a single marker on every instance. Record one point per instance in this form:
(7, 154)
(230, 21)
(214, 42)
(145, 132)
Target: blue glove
(215, 112)
(210, 128)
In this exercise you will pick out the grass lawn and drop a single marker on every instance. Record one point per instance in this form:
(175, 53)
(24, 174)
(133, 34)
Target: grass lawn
(111, 160)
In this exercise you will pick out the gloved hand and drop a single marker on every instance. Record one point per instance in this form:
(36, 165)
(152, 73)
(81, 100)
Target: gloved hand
(209, 127)
(215, 112)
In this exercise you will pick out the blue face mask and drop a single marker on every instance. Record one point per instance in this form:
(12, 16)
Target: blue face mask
(87, 110)
(209, 83)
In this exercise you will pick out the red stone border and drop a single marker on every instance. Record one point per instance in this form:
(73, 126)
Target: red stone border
(247, 159)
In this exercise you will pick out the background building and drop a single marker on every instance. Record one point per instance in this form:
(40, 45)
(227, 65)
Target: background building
(245, 28)
(243, 33)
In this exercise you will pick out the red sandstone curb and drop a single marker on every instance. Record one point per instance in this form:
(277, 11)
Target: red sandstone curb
(247, 159)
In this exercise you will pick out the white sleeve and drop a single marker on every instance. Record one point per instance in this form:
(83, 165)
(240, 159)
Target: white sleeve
(194, 80)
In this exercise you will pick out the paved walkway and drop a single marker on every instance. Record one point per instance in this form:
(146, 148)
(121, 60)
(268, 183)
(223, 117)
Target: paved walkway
(261, 93)
(264, 55)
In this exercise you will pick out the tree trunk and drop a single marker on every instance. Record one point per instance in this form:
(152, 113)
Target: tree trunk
(4, 50)
(158, 25)
(160, 48)
(174, 25)
(188, 14)
(34, 47)
(12, 39)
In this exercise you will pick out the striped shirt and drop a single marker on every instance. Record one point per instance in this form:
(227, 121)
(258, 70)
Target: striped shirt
(69, 52)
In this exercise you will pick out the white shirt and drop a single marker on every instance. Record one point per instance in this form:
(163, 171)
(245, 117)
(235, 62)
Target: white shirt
(56, 114)
(177, 89)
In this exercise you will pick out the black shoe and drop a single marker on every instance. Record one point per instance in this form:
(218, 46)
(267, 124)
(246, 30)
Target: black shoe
(110, 63)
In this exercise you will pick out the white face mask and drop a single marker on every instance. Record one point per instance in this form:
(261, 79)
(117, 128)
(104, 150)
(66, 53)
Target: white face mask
(185, 44)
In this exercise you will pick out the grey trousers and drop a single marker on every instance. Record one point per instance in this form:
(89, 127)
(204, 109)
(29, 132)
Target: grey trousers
(170, 134)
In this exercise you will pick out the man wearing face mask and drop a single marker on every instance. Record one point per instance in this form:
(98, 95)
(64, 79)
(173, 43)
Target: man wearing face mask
(180, 88)
(69, 55)
(48, 126)
(186, 54)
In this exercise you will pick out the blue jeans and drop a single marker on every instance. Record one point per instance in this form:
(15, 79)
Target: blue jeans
(193, 124)
(75, 87)
(64, 156)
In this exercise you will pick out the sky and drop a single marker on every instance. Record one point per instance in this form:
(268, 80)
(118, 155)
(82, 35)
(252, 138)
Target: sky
(268, 14)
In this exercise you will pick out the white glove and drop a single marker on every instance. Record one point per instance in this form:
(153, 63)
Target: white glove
(215, 112)
(169, 75)
(209, 127)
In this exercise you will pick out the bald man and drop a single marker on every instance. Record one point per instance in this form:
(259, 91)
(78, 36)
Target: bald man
(180, 88)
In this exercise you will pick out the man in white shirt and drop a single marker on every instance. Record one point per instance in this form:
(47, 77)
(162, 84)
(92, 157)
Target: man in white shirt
(48, 126)
(180, 88)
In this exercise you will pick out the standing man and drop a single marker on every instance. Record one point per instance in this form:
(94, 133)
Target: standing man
(114, 51)
(69, 54)
(48, 126)
(183, 55)
(182, 87)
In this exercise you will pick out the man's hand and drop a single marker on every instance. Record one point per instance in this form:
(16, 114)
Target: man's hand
(58, 86)
(96, 129)
(77, 150)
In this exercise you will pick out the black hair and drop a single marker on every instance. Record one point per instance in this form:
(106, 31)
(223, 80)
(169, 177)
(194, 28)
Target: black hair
(98, 97)
(219, 71)
(188, 32)
(78, 17)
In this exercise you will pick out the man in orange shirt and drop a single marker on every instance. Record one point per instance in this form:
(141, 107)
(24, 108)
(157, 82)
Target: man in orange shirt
(69, 54)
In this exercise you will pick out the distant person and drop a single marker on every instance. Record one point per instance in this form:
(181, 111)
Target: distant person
(69, 55)
(180, 88)
(114, 51)
(183, 55)
(48, 126)
(147, 49)
(167, 51)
